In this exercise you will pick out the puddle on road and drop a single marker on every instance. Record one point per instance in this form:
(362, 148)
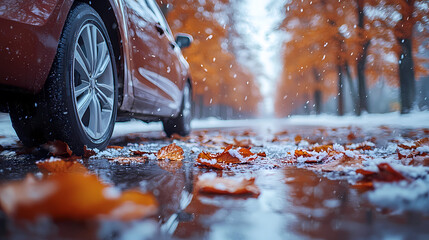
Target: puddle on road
(294, 203)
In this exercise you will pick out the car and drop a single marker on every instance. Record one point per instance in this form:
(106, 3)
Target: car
(71, 68)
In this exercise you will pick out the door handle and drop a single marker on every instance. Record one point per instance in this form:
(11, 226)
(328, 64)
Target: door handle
(159, 29)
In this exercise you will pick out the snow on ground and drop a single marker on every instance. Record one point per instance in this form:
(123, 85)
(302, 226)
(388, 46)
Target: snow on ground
(394, 119)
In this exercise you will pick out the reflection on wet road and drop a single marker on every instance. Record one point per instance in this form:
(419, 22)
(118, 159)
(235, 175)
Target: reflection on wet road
(294, 203)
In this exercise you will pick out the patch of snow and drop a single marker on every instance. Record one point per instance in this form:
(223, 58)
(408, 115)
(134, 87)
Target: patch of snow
(402, 195)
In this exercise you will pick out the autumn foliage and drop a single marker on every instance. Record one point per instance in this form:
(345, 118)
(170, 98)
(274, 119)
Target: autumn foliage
(331, 44)
(220, 82)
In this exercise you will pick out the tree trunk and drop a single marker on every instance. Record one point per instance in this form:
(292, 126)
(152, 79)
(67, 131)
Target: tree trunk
(361, 61)
(352, 88)
(317, 93)
(340, 91)
(406, 76)
(318, 101)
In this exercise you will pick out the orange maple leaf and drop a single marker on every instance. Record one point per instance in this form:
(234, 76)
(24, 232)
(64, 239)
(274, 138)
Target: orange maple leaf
(73, 196)
(172, 152)
(230, 155)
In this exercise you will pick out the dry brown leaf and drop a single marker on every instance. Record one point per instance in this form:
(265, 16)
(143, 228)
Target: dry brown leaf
(302, 153)
(285, 132)
(298, 139)
(227, 186)
(245, 143)
(230, 155)
(262, 154)
(73, 196)
(87, 153)
(385, 174)
(115, 147)
(417, 143)
(322, 148)
(351, 136)
(172, 152)
(58, 148)
(139, 153)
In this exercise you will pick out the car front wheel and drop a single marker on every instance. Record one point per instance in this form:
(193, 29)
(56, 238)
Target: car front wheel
(80, 95)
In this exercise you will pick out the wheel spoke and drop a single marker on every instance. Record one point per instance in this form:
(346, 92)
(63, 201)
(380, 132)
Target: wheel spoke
(94, 47)
(103, 59)
(87, 41)
(95, 119)
(83, 103)
(106, 89)
(104, 99)
(83, 87)
(83, 66)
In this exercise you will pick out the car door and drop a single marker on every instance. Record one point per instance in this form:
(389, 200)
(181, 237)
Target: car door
(144, 58)
(172, 74)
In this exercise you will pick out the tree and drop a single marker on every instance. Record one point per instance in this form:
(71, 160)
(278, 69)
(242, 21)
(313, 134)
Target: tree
(219, 79)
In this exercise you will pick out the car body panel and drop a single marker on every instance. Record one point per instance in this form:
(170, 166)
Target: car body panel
(154, 69)
(29, 34)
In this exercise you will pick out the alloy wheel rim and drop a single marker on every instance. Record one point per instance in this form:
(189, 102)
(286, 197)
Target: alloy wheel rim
(93, 82)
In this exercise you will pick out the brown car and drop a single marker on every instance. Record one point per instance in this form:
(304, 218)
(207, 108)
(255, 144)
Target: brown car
(70, 69)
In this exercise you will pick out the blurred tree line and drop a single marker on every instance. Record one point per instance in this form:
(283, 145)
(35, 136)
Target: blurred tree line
(222, 86)
(353, 43)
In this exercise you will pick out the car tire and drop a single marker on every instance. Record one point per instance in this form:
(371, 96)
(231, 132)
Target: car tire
(181, 124)
(26, 115)
(80, 96)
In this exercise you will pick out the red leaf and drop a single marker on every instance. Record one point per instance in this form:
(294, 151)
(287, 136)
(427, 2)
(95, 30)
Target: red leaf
(58, 148)
(87, 153)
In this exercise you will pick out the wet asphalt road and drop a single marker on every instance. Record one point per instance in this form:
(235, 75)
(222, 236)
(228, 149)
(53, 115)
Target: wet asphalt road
(294, 203)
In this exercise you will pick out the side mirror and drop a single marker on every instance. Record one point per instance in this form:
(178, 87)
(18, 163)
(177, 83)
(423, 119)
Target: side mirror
(184, 40)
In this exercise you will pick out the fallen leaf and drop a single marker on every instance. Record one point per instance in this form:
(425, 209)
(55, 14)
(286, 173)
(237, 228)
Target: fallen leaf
(172, 152)
(385, 174)
(302, 153)
(115, 147)
(230, 155)
(245, 143)
(58, 148)
(210, 184)
(285, 132)
(57, 165)
(417, 143)
(87, 153)
(322, 148)
(73, 196)
(298, 139)
(139, 153)
(261, 154)
(351, 136)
